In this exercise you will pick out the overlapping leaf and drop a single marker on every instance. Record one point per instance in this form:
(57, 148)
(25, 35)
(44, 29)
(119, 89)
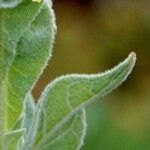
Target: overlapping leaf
(69, 136)
(67, 94)
(26, 41)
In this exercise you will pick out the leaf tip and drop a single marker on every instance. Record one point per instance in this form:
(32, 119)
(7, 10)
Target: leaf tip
(132, 59)
(132, 56)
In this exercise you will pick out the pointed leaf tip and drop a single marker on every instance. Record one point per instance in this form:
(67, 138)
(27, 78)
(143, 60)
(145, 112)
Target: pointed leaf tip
(132, 57)
(130, 60)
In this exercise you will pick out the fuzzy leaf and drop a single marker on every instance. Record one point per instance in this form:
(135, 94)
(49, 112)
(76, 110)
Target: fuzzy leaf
(65, 95)
(26, 41)
(11, 139)
(14, 22)
(69, 136)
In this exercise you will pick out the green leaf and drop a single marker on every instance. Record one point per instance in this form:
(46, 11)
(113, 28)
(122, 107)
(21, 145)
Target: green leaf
(72, 132)
(26, 41)
(69, 136)
(14, 22)
(11, 139)
(67, 94)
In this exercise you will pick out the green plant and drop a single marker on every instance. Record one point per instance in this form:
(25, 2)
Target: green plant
(57, 121)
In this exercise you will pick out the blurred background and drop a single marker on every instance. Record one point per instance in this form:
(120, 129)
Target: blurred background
(93, 36)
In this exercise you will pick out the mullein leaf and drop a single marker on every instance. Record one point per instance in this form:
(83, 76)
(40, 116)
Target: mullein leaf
(67, 94)
(26, 41)
(69, 136)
